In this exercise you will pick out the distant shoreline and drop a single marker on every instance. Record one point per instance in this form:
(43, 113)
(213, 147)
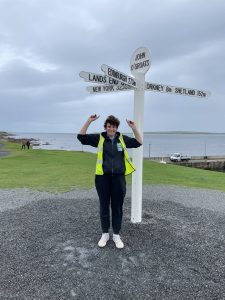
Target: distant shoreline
(4, 133)
(156, 144)
(11, 137)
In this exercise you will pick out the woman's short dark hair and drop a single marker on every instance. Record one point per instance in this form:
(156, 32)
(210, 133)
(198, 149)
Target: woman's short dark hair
(112, 121)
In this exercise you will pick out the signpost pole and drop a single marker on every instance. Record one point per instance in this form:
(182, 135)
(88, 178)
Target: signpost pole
(136, 196)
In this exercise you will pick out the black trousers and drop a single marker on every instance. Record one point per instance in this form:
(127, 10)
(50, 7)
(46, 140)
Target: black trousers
(111, 188)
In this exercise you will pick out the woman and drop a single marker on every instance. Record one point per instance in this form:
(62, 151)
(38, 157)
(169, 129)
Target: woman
(112, 165)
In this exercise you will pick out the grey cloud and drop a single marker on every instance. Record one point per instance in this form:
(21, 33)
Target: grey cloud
(17, 74)
(186, 39)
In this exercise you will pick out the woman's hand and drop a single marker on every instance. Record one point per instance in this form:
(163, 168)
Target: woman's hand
(93, 118)
(131, 124)
(135, 131)
(87, 123)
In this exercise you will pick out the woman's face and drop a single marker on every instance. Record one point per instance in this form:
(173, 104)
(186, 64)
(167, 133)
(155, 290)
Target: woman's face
(111, 129)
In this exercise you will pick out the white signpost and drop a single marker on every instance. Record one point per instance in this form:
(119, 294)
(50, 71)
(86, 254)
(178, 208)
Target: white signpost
(115, 81)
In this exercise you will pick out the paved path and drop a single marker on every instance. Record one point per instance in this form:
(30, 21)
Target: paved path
(3, 152)
(48, 247)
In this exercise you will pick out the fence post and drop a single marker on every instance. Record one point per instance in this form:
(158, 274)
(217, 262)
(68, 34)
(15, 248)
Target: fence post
(149, 150)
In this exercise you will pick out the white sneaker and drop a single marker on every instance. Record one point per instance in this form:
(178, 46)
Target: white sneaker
(104, 239)
(118, 242)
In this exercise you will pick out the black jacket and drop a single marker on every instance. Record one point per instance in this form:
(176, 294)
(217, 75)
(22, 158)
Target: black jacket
(113, 154)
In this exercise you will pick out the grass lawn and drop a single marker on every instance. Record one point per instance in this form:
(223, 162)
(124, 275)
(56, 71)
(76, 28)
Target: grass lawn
(63, 170)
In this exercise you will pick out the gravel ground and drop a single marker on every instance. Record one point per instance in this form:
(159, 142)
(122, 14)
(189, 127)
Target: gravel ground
(48, 246)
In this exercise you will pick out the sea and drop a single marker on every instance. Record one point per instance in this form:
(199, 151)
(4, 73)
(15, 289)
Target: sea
(155, 144)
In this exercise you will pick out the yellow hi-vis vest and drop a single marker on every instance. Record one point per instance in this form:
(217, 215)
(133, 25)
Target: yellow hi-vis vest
(129, 167)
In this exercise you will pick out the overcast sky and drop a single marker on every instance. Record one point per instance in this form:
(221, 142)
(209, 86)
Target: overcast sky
(44, 44)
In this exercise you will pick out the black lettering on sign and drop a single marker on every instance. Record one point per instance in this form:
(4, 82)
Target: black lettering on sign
(96, 89)
(121, 77)
(108, 88)
(201, 94)
(97, 78)
(112, 73)
(187, 92)
(117, 75)
(131, 81)
(137, 66)
(109, 72)
(160, 88)
(178, 91)
(113, 81)
(146, 63)
(149, 86)
(140, 56)
(168, 89)
(155, 87)
(140, 65)
(191, 92)
(123, 87)
(183, 91)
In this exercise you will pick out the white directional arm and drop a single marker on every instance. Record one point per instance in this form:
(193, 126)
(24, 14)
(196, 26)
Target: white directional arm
(156, 87)
(113, 73)
(98, 78)
(109, 88)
